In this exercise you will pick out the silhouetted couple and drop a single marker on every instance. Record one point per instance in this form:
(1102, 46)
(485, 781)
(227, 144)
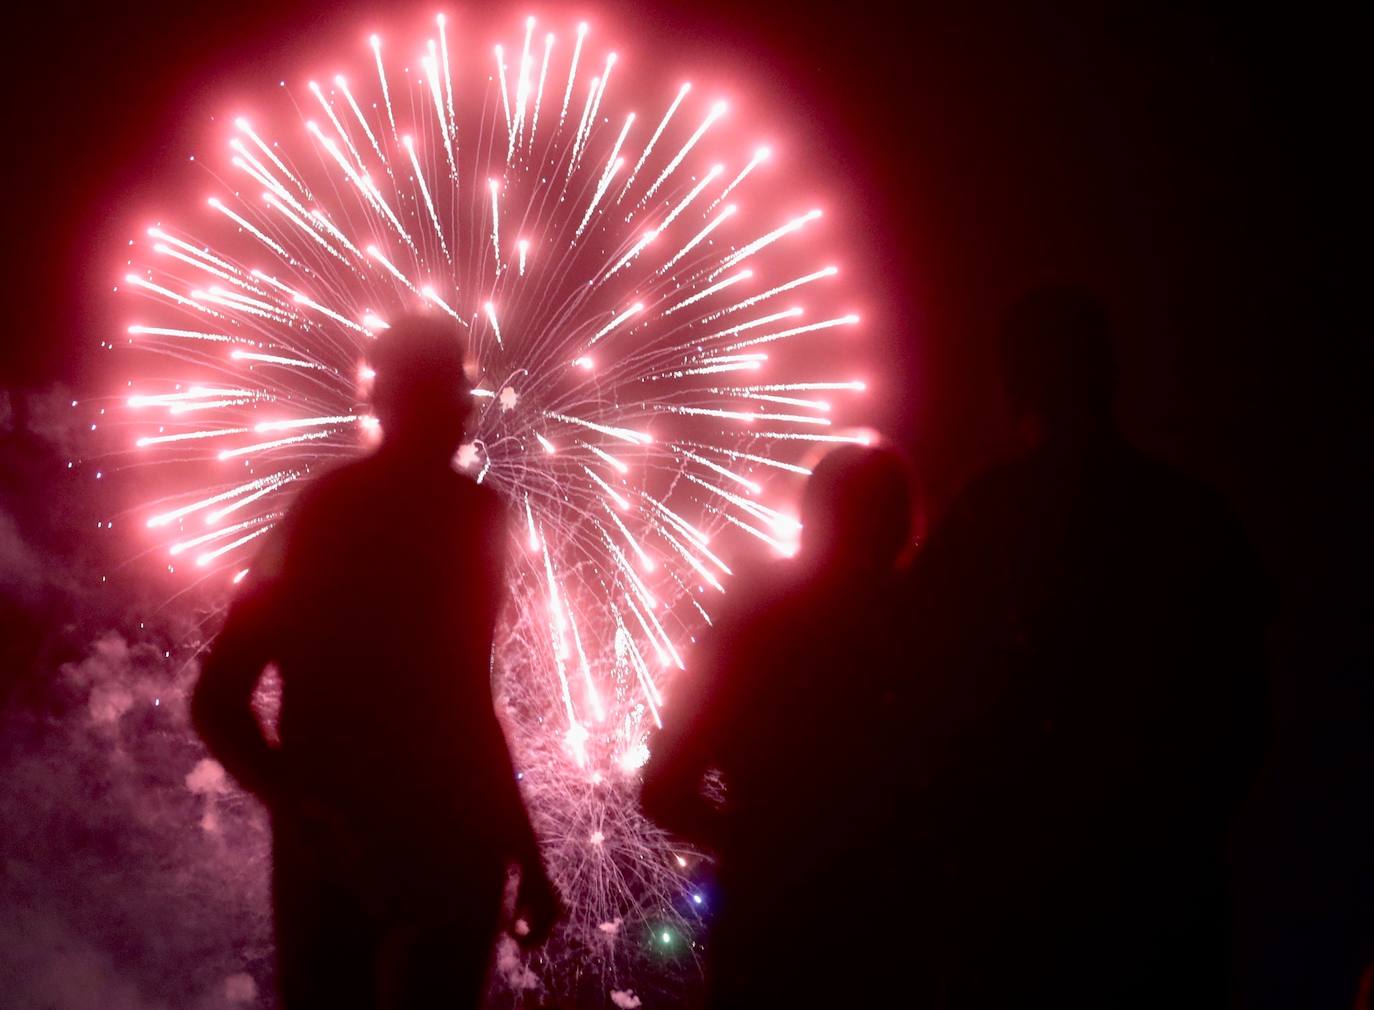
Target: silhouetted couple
(1002, 776)
(999, 776)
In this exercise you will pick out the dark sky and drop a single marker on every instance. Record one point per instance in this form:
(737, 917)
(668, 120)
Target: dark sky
(1194, 167)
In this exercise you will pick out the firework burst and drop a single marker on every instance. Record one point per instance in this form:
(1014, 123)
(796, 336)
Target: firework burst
(655, 346)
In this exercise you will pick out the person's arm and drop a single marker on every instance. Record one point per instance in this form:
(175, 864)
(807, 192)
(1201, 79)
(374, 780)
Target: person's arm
(221, 705)
(685, 749)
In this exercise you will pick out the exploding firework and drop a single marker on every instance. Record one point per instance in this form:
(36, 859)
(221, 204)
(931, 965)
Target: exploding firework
(655, 343)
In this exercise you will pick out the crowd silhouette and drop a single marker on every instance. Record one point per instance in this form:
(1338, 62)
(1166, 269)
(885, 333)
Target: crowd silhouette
(994, 769)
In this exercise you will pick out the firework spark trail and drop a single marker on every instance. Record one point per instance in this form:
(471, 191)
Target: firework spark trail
(631, 480)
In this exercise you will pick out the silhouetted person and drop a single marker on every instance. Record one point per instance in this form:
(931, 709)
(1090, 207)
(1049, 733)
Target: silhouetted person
(1087, 637)
(394, 804)
(786, 701)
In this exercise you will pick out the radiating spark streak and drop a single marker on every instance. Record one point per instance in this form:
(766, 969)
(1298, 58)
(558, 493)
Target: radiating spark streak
(614, 495)
(433, 296)
(773, 542)
(640, 667)
(645, 560)
(649, 686)
(247, 129)
(505, 95)
(743, 415)
(697, 536)
(619, 465)
(699, 237)
(788, 401)
(162, 519)
(307, 422)
(691, 195)
(342, 85)
(768, 515)
(789, 286)
(495, 327)
(191, 408)
(158, 233)
(249, 227)
(522, 84)
(611, 170)
(451, 127)
(649, 147)
(593, 695)
(255, 169)
(166, 250)
(338, 126)
(799, 436)
(376, 43)
(743, 275)
(765, 460)
(753, 486)
(545, 444)
(493, 185)
(848, 320)
(408, 142)
(209, 556)
(765, 241)
(363, 184)
(218, 514)
(716, 112)
(529, 519)
(300, 298)
(690, 558)
(572, 71)
(274, 359)
(752, 324)
(243, 303)
(539, 94)
(636, 583)
(167, 293)
(559, 648)
(635, 250)
(760, 156)
(575, 158)
(716, 369)
(188, 334)
(188, 436)
(245, 450)
(376, 254)
(195, 393)
(523, 247)
(613, 164)
(430, 65)
(228, 531)
(600, 93)
(615, 323)
(852, 385)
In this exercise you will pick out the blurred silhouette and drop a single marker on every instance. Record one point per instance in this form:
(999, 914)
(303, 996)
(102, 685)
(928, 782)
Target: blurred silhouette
(394, 803)
(786, 701)
(1087, 703)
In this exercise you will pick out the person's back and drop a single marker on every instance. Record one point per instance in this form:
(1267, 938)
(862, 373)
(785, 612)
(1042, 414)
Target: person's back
(1092, 638)
(390, 582)
(394, 804)
(786, 701)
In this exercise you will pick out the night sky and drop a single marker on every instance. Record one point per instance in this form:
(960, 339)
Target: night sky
(1195, 168)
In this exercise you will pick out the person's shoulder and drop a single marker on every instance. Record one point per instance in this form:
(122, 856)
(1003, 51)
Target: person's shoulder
(340, 481)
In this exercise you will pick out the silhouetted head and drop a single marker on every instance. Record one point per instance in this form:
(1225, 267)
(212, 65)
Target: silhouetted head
(1057, 363)
(856, 509)
(420, 392)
